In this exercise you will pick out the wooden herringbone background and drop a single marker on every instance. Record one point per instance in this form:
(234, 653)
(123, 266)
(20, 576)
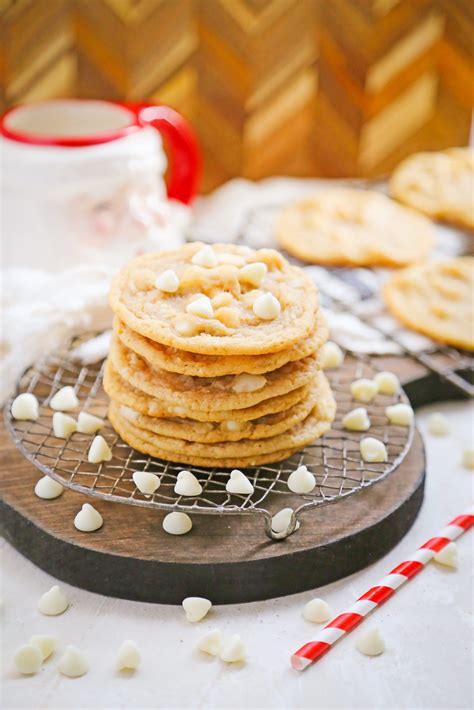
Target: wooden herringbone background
(301, 87)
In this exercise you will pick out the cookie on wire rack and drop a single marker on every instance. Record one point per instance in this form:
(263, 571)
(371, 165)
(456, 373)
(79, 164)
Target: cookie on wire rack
(349, 227)
(436, 299)
(438, 184)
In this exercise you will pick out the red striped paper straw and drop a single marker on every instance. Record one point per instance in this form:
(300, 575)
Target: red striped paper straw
(345, 622)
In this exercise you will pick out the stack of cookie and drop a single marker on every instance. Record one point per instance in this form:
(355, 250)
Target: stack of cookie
(214, 359)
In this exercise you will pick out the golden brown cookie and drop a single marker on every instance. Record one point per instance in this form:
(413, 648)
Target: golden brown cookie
(194, 364)
(236, 321)
(439, 184)
(217, 432)
(128, 396)
(210, 393)
(228, 454)
(348, 227)
(436, 299)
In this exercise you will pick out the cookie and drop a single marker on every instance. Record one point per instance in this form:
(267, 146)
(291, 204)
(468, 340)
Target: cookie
(210, 393)
(228, 454)
(232, 318)
(126, 395)
(194, 364)
(216, 432)
(348, 227)
(441, 185)
(436, 299)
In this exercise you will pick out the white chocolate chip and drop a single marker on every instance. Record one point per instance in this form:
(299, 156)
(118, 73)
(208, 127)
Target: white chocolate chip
(167, 281)
(88, 423)
(448, 556)
(28, 659)
(177, 523)
(468, 458)
(63, 425)
(25, 407)
(73, 663)
(47, 488)
(267, 307)
(400, 414)
(128, 657)
(372, 450)
(364, 390)
(210, 643)
(248, 383)
(387, 382)
(99, 450)
(146, 482)
(370, 643)
(438, 424)
(185, 327)
(65, 400)
(232, 650)
(196, 608)
(356, 420)
(88, 519)
(239, 484)
(231, 425)
(317, 611)
(254, 273)
(201, 307)
(331, 355)
(128, 413)
(53, 602)
(205, 257)
(301, 480)
(281, 520)
(46, 645)
(187, 485)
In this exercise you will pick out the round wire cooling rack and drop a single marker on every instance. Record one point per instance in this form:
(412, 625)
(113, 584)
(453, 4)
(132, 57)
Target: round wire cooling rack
(334, 459)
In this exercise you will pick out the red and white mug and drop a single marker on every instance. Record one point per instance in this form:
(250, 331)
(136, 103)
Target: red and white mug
(84, 180)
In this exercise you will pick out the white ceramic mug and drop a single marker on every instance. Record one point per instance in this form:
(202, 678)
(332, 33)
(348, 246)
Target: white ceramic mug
(83, 180)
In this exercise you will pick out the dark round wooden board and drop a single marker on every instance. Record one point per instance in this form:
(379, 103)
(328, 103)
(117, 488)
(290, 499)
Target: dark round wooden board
(226, 558)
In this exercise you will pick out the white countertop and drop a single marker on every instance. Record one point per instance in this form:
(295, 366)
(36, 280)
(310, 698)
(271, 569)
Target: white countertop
(427, 627)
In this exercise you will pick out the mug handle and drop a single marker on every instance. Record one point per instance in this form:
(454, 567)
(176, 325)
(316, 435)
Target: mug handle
(185, 156)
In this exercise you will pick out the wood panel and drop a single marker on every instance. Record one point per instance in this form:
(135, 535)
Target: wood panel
(305, 87)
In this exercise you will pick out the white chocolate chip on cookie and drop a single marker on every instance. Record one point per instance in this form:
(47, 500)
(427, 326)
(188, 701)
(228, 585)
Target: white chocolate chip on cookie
(201, 307)
(254, 273)
(267, 307)
(205, 257)
(248, 383)
(167, 281)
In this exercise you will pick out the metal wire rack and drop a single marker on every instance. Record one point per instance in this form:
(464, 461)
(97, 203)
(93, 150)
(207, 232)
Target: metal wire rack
(334, 459)
(355, 291)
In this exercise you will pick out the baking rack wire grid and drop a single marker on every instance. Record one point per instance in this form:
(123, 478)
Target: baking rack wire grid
(356, 291)
(334, 459)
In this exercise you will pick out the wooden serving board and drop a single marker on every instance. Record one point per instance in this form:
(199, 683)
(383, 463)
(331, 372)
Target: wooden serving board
(226, 558)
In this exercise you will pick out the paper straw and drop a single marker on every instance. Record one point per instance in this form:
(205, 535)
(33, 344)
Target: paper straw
(345, 622)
